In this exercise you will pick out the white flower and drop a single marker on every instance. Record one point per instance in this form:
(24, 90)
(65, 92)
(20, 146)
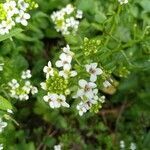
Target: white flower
(23, 97)
(5, 26)
(23, 5)
(1, 66)
(102, 99)
(34, 90)
(27, 87)
(13, 94)
(55, 100)
(86, 88)
(43, 86)
(26, 74)
(1, 146)
(122, 144)
(10, 8)
(71, 22)
(62, 100)
(2, 125)
(64, 61)
(82, 108)
(123, 1)
(79, 14)
(68, 9)
(10, 111)
(13, 84)
(132, 146)
(58, 15)
(67, 73)
(94, 71)
(48, 70)
(106, 84)
(67, 50)
(22, 18)
(65, 20)
(57, 147)
(52, 100)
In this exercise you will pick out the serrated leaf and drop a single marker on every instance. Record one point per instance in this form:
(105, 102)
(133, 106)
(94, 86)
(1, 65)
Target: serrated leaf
(5, 104)
(11, 34)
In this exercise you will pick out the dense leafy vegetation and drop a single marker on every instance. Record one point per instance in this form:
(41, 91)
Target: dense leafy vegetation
(94, 93)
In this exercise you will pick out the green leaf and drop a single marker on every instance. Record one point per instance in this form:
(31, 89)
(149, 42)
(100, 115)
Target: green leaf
(4, 104)
(11, 34)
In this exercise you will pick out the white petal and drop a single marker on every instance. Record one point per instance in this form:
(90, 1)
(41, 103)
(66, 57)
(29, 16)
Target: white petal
(63, 56)
(59, 63)
(93, 78)
(80, 92)
(99, 71)
(24, 22)
(82, 83)
(94, 65)
(49, 64)
(92, 85)
(67, 66)
(73, 73)
(26, 16)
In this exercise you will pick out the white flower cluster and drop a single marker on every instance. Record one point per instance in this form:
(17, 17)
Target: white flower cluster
(132, 145)
(66, 20)
(65, 63)
(53, 97)
(2, 125)
(22, 90)
(15, 13)
(123, 1)
(57, 147)
(87, 92)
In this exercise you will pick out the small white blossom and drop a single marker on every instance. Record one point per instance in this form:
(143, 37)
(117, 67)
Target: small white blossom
(93, 71)
(62, 100)
(10, 8)
(55, 100)
(132, 146)
(102, 99)
(57, 147)
(123, 1)
(48, 70)
(82, 108)
(22, 5)
(43, 86)
(26, 74)
(122, 144)
(79, 14)
(67, 50)
(86, 88)
(65, 61)
(67, 73)
(34, 90)
(1, 146)
(23, 97)
(1, 66)
(66, 19)
(27, 87)
(68, 9)
(13, 84)
(22, 18)
(2, 125)
(5, 26)
(10, 111)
